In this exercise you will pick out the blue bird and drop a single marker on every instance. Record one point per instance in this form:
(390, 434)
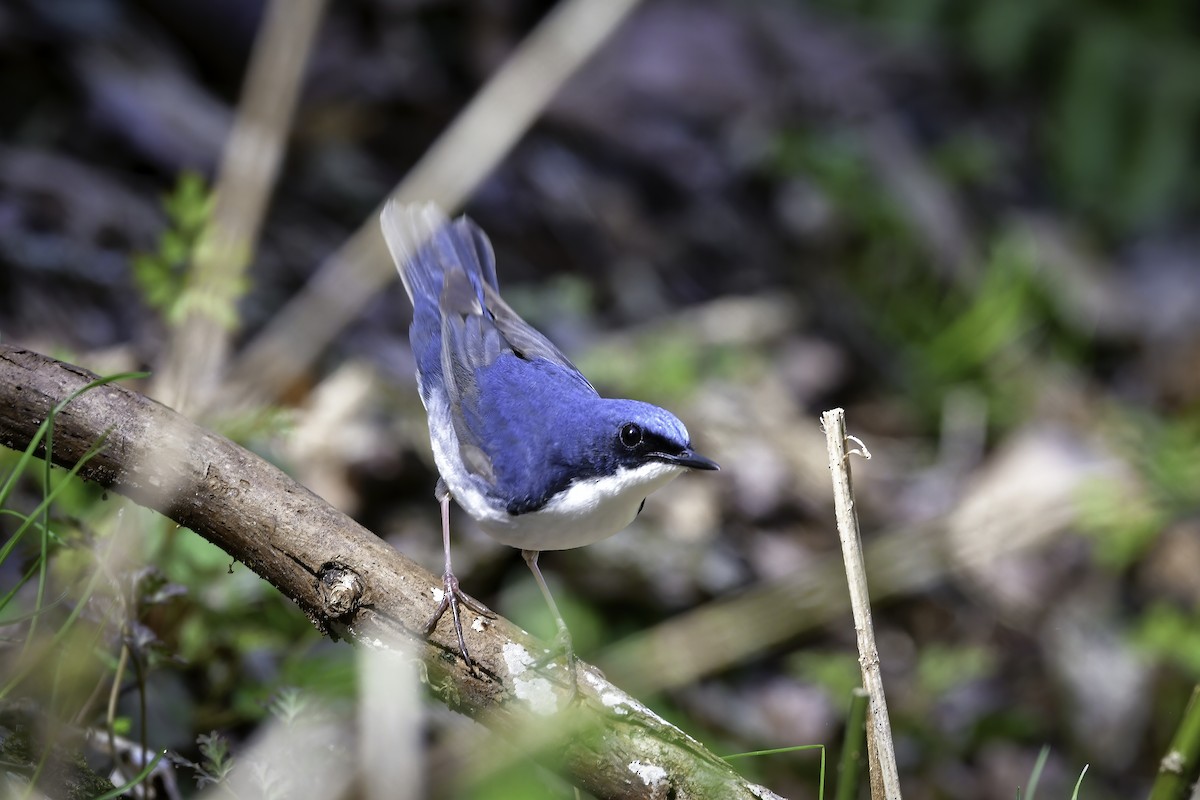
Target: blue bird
(521, 439)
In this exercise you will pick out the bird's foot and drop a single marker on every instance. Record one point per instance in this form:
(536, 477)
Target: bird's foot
(452, 598)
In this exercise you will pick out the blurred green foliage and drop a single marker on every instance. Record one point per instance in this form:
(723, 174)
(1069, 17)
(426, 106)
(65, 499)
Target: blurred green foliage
(1122, 526)
(1124, 520)
(836, 671)
(993, 334)
(183, 275)
(662, 366)
(1171, 635)
(1116, 89)
(161, 276)
(942, 668)
(215, 763)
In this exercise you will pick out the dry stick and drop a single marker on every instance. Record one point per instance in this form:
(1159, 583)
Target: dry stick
(447, 174)
(885, 779)
(250, 163)
(352, 584)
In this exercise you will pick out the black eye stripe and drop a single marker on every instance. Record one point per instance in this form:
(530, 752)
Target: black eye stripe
(641, 443)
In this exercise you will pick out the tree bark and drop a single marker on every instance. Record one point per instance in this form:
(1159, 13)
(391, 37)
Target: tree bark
(352, 584)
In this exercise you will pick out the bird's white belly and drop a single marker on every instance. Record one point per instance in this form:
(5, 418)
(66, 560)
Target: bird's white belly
(585, 513)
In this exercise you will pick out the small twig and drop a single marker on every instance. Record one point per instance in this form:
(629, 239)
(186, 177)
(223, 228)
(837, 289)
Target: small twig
(143, 723)
(111, 717)
(880, 749)
(1035, 776)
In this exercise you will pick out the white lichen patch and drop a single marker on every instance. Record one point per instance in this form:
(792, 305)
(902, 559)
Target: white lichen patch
(609, 695)
(535, 690)
(762, 792)
(651, 774)
(375, 643)
(618, 701)
(1173, 762)
(516, 658)
(438, 593)
(479, 624)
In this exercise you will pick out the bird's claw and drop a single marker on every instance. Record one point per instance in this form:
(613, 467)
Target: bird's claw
(452, 598)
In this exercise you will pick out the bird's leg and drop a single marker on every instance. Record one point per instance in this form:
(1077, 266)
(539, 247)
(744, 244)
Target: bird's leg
(563, 639)
(452, 595)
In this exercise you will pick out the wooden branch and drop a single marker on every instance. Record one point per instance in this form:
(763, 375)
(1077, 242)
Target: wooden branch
(352, 584)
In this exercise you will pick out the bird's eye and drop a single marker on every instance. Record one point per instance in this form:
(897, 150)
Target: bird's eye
(631, 434)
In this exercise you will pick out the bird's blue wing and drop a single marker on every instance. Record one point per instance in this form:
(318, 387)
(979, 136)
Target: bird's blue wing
(497, 370)
(525, 340)
(461, 327)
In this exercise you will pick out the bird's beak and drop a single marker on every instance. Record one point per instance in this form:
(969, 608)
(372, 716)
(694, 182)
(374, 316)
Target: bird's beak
(692, 460)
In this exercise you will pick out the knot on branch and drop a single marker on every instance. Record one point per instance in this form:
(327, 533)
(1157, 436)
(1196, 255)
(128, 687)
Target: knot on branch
(341, 589)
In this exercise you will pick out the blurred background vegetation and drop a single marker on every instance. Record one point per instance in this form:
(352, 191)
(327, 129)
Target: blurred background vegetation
(971, 225)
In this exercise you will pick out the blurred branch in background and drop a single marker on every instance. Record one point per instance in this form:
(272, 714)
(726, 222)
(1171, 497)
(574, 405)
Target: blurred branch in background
(447, 173)
(206, 315)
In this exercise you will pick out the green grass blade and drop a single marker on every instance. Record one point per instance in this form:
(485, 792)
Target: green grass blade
(774, 751)
(853, 746)
(792, 749)
(141, 776)
(48, 499)
(1078, 783)
(1035, 776)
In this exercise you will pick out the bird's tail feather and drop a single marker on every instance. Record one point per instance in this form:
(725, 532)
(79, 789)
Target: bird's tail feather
(424, 243)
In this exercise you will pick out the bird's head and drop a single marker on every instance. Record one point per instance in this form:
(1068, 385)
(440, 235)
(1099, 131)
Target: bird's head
(619, 452)
(598, 463)
(635, 435)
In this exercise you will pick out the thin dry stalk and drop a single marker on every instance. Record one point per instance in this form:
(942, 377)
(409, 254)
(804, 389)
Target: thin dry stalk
(248, 171)
(885, 778)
